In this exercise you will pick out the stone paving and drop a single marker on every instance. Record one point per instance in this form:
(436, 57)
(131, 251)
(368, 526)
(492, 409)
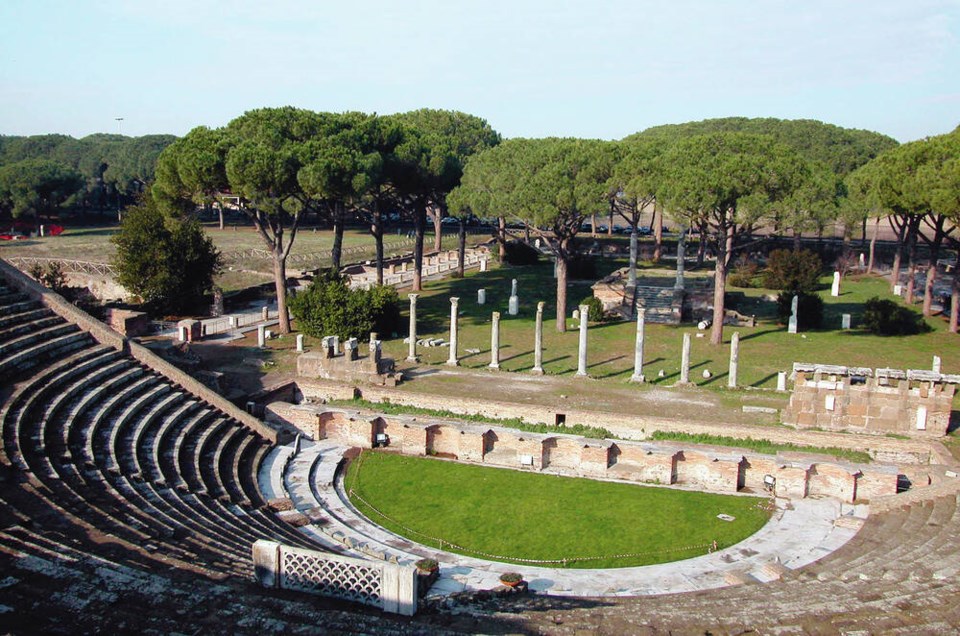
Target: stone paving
(800, 532)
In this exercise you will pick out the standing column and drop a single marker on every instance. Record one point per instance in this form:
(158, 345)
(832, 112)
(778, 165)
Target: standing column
(734, 360)
(685, 360)
(412, 350)
(261, 336)
(681, 260)
(582, 357)
(452, 360)
(638, 349)
(538, 342)
(495, 341)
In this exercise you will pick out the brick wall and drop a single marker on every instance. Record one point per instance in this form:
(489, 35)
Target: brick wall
(703, 468)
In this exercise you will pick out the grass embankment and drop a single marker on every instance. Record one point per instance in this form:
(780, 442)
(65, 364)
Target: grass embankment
(544, 520)
(596, 432)
(762, 445)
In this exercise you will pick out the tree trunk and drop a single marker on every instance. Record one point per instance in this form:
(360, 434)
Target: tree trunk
(220, 212)
(657, 223)
(562, 293)
(873, 245)
(632, 272)
(437, 228)
(376, 228)
(912, 230)
(724, 246)
(702, 246)
(610, 224)
(863, 232)
(280, 282)
(932, 267)
(461, 246)
(796, 239)
(419, 224)
(898, 254)
(593, 225)
(336, 252)
(502, 238)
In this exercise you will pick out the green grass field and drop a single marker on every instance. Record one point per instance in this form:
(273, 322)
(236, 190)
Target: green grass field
(520, 517)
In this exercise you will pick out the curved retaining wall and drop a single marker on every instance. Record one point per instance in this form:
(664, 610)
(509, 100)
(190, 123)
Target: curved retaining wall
(700, 467)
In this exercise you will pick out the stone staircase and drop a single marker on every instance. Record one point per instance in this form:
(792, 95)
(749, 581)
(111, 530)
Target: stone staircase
(663, 305)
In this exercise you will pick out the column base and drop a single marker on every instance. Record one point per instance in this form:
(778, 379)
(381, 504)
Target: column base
(581, 374)
(537, 370)
(638, 378)
(453, 363)
(493, 365)
(413, 358)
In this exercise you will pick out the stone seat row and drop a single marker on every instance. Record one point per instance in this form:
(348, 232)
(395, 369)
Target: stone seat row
(112, 444)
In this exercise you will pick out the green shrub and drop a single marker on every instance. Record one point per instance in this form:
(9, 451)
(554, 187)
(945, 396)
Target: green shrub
(888, 318)
(519, 253)
(809, 309)
(793, 271)
(596, 308)
(743, 274)
(329, 307)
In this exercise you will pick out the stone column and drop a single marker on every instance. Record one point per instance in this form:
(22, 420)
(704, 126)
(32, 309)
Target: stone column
(681, 255)
(265, 313)
(495, 341)
(794, 305)
(685, 360)
(452, 360)
(937, 364)
(835, 288)
(734, 360)
(412, 348)
(582, 353)
(781, 381)
(261, 336)
(638, 348)
(538, 342)
(299, 343)
(481, 296)
(513, 307)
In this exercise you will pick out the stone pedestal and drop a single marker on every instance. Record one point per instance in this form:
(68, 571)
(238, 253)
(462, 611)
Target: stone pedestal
(481, 296)
(844, 321)
(261, 336)
(734, 361)
(495, 341)
(513, 308)
(782, 381)
(538, 342)
(685, 360)
(265, 313)
(412, 347)
(936, 364)
(582, 351)
(483, 264)
(351, 349)
(299, 343)
(638, 347)
(452, 360)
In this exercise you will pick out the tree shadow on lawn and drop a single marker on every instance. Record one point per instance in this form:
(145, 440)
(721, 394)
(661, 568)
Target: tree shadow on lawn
(757, 334)
(516, 355)
(762, 381)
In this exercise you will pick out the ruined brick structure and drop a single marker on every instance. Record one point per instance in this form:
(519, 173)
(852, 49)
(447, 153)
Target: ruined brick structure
(701, 467)
(347, 366)
(863, 400)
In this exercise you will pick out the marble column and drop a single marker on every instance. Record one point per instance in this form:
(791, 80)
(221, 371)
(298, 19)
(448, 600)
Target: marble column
(681, 262)
(582, 353)
(412, 348)
(299, 343)
(495, 341)
(513, 305)
(538, 342)
(261, 336)
(937, 365)
(638, 348)
(685, 360)
(734, 360)
(794, 311)
(452, 360)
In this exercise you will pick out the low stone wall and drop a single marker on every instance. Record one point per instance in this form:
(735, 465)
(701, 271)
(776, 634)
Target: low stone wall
(637, 427)
(391, 587)
(104, 335)
(698, 467)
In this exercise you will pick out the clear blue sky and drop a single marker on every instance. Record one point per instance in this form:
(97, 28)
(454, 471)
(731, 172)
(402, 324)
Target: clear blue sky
(589, 69)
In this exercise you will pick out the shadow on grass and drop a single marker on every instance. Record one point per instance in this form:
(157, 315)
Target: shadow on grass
(763, 381)
(517, 355)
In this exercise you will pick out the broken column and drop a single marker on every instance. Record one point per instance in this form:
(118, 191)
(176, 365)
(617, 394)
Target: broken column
(412, 348)
(261, 336)
(685, 360)
(264, 313)
(582, 353)
(782, 381)
(513, 308)
(734, 360)
(638, 348)
(351, 349)
(936, 364)
(844, 321)
(835, 288)
(452, 360)
(299, 343)
(481, 296)
(495, 341)
(538, 342)
(794, 308)
(326, 344)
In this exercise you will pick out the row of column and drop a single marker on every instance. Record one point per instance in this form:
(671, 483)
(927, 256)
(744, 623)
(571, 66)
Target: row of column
(637, 376)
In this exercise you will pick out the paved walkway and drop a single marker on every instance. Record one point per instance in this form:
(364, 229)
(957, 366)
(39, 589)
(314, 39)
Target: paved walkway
(800, 532)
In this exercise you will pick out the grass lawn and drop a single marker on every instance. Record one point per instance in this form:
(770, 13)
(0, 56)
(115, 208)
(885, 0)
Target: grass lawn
(521, 517)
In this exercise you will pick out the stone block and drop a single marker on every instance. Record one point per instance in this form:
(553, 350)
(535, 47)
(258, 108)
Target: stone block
(266, 563)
